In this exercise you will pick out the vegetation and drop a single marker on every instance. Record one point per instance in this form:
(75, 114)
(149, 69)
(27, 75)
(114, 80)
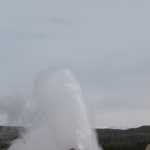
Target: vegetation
(109, 139)
(9, 134)
(131, 139)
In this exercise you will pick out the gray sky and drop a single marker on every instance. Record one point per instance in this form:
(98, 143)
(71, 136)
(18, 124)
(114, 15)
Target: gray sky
(105, 43)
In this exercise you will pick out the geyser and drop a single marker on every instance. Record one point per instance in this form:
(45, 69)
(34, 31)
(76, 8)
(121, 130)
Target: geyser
(61, 121)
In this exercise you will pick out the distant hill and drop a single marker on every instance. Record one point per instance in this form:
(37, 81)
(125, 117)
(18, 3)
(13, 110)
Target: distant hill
(9, 134)
(110, 139)
(130, 139)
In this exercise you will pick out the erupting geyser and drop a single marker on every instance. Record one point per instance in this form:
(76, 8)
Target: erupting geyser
(61, 121)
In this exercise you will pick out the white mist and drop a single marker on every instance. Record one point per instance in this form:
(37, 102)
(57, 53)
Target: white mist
(61, 121)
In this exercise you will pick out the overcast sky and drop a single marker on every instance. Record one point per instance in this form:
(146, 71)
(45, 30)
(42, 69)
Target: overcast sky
(105, 43)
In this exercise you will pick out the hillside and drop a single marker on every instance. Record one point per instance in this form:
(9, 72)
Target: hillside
(130, 139)
(8, 135)
(110, 139)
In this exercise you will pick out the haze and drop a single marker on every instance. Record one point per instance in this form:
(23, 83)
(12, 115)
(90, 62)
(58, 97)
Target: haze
(104, 43)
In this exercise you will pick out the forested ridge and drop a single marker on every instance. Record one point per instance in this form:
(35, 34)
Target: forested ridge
(109, 139)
